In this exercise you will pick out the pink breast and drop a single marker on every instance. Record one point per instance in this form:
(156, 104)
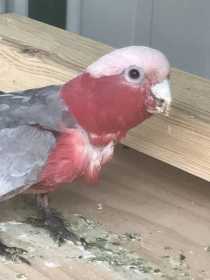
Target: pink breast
(73, 157)
(66, 162)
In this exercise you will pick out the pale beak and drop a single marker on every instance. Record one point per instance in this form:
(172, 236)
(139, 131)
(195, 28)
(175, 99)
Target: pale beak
(162, 94)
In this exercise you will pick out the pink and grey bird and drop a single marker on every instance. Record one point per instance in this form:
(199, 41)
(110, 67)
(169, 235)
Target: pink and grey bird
(56, 134)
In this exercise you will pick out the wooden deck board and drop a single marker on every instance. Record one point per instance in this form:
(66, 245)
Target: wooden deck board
(168, 207)
(138, 194)
(34, 54)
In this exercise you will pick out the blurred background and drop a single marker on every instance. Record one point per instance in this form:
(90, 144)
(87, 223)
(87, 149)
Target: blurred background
(181, 29)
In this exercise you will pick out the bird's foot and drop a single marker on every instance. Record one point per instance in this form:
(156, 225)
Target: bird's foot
(13, 253)
(54, 223)
(56, 227)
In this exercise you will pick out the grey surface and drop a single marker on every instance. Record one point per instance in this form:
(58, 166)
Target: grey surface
(109, 21)
(73, 15)
(2, 6)
(143, 23)
(181, 29)
(23, 152)
(19, 7)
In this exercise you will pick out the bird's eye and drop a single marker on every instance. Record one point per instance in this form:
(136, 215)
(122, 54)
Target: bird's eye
(134, 74)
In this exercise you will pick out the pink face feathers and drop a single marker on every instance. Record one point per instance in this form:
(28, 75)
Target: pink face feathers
(119, 91)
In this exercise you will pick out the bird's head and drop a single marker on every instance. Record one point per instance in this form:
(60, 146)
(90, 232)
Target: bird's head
(120, 90)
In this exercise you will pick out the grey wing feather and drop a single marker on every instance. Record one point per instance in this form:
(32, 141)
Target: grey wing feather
(23, 153)
(41, 106)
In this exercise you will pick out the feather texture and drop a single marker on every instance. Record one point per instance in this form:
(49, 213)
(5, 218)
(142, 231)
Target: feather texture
(40, 106)
(23, 153)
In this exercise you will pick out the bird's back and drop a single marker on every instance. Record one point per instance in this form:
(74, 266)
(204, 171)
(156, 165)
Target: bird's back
(23, 153)
(30, 123)
(41, 106)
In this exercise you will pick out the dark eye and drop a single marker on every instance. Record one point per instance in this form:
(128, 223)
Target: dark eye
(134, 74)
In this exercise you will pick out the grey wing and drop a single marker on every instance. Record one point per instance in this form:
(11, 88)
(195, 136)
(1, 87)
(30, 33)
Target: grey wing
(23, 153)
(40, 106)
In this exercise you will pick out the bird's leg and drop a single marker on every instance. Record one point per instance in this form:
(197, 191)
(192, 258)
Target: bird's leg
(54, 223)
(13, 253)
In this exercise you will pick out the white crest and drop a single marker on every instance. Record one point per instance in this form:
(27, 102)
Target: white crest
(120, 59)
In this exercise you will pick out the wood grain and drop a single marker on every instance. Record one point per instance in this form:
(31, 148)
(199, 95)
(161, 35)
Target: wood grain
(138, 194)
(34, 54)
(169, 207)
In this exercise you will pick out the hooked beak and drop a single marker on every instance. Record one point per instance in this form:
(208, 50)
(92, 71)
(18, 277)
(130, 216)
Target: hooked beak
(162, 95)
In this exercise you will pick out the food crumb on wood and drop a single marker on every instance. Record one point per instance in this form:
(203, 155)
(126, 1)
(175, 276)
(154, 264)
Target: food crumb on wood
(21, 276)
(99, 206)
(207, 249)
(167, 248)
(182, 257)
(52, 264)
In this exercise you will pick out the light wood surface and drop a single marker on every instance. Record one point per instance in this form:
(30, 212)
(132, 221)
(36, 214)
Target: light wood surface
(168, 207)
(34, 54)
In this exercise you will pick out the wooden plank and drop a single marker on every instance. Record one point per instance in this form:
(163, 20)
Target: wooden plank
(137, 194)
(34, 54)
(169, 207)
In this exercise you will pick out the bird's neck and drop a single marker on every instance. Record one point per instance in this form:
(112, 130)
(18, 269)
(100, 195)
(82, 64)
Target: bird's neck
(74, 156)
(105, 139)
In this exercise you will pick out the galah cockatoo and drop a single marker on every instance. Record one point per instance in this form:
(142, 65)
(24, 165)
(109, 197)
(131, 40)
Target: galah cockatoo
(56, 134)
